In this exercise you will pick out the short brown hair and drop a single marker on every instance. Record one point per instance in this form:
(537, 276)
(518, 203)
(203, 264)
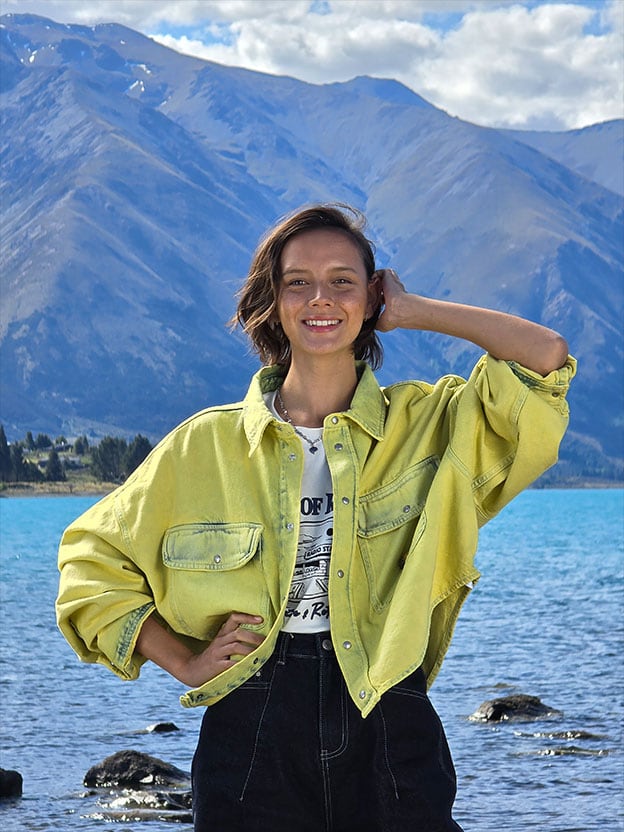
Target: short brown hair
(257, 299)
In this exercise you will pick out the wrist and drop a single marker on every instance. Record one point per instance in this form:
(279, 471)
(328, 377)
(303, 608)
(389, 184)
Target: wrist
(181, 666)
(408, 311)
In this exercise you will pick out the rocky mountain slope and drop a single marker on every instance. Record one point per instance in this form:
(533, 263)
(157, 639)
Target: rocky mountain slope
(137, 181)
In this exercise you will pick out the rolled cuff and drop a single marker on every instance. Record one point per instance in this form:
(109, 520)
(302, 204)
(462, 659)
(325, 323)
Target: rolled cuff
(114, 646)
(555, 385)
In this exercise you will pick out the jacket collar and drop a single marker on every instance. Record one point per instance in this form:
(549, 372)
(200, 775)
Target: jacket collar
(368, 406)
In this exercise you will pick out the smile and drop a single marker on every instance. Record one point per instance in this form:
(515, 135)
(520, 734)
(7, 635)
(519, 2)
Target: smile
(317, 323)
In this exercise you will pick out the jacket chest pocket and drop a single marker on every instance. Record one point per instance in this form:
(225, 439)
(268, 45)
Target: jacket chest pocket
(212, 569)
(391, 522)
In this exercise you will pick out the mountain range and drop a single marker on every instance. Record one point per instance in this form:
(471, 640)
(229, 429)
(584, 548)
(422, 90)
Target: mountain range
(136, 182)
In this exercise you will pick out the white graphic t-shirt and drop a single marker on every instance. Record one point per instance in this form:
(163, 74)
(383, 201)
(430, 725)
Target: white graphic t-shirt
(307, 610)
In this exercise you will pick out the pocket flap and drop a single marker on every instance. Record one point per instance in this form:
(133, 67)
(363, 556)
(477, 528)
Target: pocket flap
(216, 546)
(399, 501)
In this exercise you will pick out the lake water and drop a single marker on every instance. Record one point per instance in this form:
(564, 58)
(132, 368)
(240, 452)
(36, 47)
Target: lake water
(546, 619)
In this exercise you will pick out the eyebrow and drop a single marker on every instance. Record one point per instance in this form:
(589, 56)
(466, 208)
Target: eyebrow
(297, 270)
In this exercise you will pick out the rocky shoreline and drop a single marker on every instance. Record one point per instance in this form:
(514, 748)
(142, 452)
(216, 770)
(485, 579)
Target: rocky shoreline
(100, 489)
(57, 489)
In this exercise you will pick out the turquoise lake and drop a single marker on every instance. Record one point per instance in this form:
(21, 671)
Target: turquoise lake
(546, 619)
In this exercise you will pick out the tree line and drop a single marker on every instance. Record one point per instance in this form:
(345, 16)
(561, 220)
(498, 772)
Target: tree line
(111, 460)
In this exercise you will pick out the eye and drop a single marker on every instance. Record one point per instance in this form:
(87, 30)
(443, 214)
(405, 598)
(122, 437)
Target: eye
(344, 281)
(296, 281)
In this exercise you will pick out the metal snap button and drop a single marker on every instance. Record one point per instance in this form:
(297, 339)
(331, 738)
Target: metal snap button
(327, 645)
(340, 573)
(346, 645)
(217, 558)
(334, 420)
(292, 457)
(345, 500)
(406, 508)
(362, 694)
(290, 526)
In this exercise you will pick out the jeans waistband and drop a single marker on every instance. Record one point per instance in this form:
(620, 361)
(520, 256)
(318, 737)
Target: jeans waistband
(304, 644)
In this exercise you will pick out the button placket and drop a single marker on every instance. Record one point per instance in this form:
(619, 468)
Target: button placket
(345, 490)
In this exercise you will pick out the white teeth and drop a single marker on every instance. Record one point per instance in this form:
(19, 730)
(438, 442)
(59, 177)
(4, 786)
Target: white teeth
(322, 323)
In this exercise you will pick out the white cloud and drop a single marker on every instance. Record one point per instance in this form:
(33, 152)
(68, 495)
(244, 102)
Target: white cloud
(556, 65)
(525, 67)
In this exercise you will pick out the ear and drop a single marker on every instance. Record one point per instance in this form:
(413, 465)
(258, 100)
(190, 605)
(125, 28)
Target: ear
(374, 295)
(274, 320)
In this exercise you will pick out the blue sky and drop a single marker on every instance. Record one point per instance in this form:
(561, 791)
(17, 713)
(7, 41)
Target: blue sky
(535, 64)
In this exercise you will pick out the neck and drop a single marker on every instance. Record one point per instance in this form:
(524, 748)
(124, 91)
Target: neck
(310, 393)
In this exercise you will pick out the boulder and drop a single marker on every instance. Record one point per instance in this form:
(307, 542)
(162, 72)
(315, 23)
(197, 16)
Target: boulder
(518, 706)
(136, 770)
(162, 728)
(10, 784)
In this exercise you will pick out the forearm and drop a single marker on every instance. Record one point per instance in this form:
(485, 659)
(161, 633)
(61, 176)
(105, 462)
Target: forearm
(507, 337)
(161, 647)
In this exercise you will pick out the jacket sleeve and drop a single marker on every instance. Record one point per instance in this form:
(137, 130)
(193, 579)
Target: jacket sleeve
(506, 429)
(103, 597)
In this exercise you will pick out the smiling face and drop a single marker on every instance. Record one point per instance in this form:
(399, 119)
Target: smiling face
(325, 294)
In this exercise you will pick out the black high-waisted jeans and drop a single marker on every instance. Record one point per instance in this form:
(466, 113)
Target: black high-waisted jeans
(289, 750)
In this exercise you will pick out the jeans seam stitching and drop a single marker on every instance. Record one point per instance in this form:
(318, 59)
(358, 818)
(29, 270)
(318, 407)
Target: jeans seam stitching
(257, 737)
(386, 755)
(344, 740)
(415, 694)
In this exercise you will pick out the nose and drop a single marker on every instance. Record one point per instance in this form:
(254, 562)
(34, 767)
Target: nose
(321, 296)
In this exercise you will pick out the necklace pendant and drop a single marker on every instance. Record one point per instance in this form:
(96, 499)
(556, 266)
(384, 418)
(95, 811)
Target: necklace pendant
(313, 449)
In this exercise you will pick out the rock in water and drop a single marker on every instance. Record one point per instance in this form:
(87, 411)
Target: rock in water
(134, 784)
(134, 769)
(10, 783)
(518, 706)
(162, 728)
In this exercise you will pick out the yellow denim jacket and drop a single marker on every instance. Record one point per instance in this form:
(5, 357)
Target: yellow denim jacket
(208, 523)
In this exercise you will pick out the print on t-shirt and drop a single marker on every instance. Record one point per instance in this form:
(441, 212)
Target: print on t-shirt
(308, 597)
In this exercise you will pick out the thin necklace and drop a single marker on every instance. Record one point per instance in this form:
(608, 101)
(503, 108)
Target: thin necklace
(313, 445)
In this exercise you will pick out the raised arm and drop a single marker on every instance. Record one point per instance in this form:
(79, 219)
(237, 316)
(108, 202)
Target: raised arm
(504, 336)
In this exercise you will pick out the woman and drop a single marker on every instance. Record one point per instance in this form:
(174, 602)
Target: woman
(299, 559)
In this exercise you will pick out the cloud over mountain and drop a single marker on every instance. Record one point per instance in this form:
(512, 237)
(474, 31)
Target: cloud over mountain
(539, 64)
